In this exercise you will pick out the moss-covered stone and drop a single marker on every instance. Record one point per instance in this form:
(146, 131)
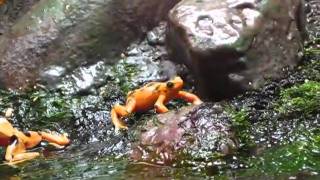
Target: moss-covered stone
(311, 47)
(124, 73)
(37, 109)
(299, 156)
(241, 124)
(304, 98)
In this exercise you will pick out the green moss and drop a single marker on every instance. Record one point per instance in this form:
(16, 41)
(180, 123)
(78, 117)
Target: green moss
(241, 125)
(300, 156)
(311, 70)
(49, 107)
(312, 51)
(310, 47)
(6, 98)
(123, 73)
(299, 99)
(36, 109)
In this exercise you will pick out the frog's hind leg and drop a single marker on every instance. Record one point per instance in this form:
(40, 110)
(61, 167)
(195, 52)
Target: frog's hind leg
(55, 139)
(19, 158)
(117, 122)
(189, 97)
(16, 152)
(119, 111)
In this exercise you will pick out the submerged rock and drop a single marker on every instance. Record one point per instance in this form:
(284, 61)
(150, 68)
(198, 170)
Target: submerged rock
(232, 46)
(73, 33)
(191, 133)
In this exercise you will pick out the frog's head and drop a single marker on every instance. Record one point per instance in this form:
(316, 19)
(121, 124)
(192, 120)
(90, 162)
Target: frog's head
(175, 84)
(6, 129)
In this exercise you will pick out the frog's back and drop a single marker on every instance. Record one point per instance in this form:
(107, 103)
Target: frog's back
(146, 96)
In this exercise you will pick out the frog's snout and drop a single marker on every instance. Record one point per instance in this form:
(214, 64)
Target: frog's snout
(178, 82)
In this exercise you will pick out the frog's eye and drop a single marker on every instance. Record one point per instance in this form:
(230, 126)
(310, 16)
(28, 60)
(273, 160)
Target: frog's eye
(170, 84)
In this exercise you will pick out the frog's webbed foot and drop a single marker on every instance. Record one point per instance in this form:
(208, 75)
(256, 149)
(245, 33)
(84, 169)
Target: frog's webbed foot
(16, 152)
(159, 105)
(119, 111)
(117, 122)
(189, 97)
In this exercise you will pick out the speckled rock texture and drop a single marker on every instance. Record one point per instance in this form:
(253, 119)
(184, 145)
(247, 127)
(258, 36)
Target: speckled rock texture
(235, 45)
(193, 132)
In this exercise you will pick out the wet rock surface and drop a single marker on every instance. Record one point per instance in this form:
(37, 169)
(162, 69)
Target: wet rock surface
(282, 118)
(11, 11)
(79, 102)
(73, 33)
(138, 64)
(96, 88)
(272, 120)
(233, 46)
(191, 133)
(313, 18)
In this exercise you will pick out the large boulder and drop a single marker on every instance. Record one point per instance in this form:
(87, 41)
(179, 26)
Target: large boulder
(73, 33)
(233, 46)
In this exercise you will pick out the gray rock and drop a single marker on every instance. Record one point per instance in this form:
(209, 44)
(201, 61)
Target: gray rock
(233, 46)
(52, 74)
(139, 63)
(157, 35)
(73, 33)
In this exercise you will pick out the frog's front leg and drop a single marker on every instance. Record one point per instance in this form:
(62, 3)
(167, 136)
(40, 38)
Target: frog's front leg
(16, 152)
(159, 105)
(119, 111)
(189, 97)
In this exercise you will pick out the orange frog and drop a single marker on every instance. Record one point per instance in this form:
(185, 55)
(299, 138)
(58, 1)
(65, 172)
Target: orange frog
(153, 94)
(18, 142)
